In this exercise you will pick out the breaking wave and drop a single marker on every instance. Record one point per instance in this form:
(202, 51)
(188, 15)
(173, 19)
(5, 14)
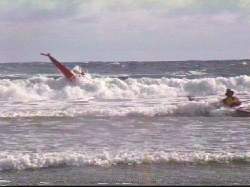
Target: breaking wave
(22, 161)
(113, 88)
(42, 96)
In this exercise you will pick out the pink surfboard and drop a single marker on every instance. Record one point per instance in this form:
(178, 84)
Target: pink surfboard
(63, 69)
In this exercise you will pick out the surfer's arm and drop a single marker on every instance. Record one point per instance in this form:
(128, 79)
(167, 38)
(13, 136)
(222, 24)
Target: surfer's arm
(236, 102)
(217, 104)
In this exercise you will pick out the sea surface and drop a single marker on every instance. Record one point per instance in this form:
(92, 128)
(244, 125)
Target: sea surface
(125, 123)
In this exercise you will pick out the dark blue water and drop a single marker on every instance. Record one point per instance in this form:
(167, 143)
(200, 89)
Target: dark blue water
(152, 69)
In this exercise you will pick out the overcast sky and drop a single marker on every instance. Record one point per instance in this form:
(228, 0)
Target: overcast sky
(120, 30)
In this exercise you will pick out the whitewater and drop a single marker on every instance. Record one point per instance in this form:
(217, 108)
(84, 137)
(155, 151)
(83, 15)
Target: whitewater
(127, 117)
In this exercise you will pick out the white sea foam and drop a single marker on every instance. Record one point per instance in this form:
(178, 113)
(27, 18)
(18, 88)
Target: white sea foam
(21, 161)
(113, 88)
(198, 72)
(115, 97)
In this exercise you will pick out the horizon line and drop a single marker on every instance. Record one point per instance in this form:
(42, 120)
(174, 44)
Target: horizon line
(38, 61)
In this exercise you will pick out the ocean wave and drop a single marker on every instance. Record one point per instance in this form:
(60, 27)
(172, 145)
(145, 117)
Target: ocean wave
(114, 97)
(22, 161)
(113, 88)
(120, 109)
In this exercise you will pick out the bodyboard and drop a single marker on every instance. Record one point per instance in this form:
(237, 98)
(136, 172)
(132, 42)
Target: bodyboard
(242, 112)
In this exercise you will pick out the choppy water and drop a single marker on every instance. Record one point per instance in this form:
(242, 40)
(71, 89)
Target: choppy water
(124, 114)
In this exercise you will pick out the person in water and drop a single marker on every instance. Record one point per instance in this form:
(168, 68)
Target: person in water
(230, 100)
(78, 72)
(74, 71)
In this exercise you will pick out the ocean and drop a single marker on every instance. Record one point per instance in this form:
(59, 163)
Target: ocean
(127, 123)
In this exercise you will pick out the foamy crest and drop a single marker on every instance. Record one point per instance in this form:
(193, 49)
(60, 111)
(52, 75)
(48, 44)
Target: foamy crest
(21, 161)
(114, 88)
(42, 96)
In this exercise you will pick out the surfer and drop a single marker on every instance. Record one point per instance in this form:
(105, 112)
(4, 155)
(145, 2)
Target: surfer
(79, 72)
(69, 74)
(230, 100)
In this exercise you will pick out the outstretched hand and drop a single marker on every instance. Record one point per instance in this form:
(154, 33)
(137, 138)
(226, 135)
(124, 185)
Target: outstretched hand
(45, 54)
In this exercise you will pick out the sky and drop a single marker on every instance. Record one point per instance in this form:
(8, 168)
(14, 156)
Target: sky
(122, 30)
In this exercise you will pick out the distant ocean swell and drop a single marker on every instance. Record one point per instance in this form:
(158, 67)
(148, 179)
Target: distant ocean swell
(22, 161)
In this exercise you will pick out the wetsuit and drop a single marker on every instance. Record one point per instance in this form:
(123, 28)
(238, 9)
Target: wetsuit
(231, 101)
